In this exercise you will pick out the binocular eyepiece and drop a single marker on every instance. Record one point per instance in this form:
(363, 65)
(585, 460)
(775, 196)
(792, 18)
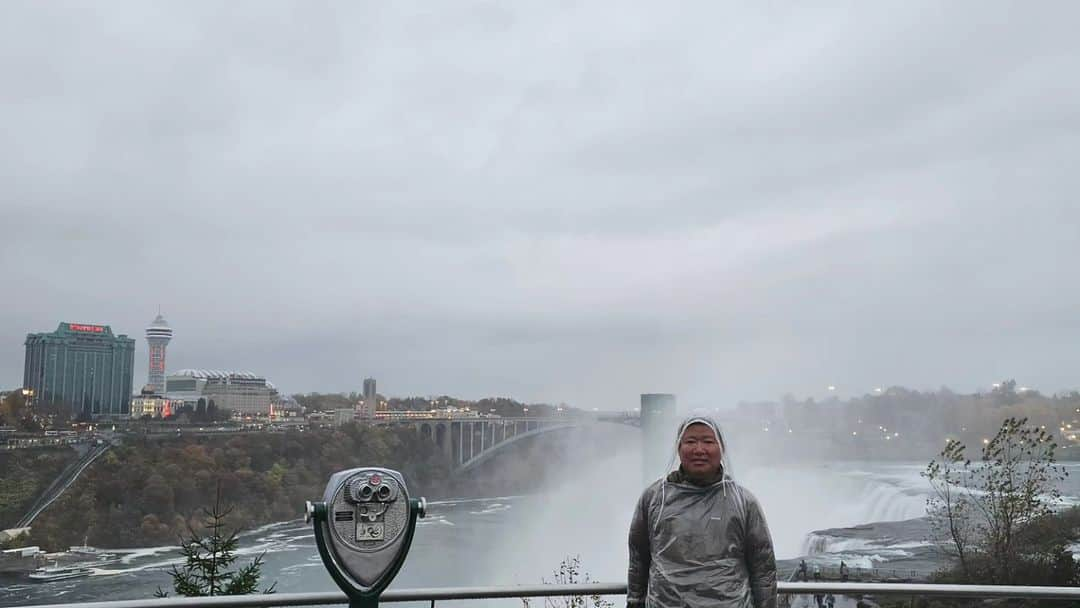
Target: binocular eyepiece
(374, 489)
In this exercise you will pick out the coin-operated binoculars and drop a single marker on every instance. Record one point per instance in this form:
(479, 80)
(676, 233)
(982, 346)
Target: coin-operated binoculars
(363, 529)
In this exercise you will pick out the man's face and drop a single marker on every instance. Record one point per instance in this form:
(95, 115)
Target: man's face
(699, 452)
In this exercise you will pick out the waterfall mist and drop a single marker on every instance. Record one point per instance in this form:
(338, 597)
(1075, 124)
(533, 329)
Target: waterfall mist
(585, 507)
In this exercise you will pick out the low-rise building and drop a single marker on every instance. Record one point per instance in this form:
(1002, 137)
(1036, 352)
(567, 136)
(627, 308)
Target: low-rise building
(185, 387)
(282, 408)
(149, 403)
(242, 393)
(343, 416)
(328, 418)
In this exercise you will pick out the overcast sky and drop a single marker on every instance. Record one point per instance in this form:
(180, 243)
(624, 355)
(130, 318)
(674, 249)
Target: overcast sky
(555, 201)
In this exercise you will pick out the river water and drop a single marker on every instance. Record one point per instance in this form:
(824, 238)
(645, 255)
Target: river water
(811, 509)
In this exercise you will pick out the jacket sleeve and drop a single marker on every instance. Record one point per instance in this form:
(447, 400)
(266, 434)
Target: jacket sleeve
(637, 574)
(760, 557)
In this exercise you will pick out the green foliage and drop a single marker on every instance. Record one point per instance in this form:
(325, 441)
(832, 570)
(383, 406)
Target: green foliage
(202, 411)
(26, 473)
(1005, 393)
(14, 542)
(570, 572)
(17, 413)
(325, 402)
(989, 512)
(31, 416)
(163, 484)
(12, 409)
(208, 559)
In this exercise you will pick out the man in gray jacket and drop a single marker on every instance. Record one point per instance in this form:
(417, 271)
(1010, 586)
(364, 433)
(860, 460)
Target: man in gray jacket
(697, 538)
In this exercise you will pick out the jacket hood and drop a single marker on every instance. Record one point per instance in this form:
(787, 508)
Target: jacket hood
(701, 417)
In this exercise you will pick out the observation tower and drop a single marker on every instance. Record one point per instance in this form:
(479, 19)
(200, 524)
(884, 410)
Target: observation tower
(158, 334)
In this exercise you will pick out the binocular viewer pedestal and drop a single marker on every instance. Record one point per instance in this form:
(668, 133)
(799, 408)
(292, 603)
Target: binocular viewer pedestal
(363, 528)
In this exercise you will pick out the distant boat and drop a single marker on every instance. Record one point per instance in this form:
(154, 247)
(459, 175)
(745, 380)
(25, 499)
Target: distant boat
(56, 573)
(86, 550)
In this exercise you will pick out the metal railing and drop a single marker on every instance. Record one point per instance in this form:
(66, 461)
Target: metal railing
(433, 595)
(857, 573)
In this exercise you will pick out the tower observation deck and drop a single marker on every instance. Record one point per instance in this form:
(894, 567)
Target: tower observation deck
(158, 335)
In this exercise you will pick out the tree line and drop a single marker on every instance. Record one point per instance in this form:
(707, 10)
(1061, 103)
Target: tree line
(25, 416)
(920, 422)
(499, 406)
(162, 486)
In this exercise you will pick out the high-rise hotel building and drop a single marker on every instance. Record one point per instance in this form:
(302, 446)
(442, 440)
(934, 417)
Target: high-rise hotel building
(84, 367)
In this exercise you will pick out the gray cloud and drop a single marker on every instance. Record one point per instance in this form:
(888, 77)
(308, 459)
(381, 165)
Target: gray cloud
(555, 202)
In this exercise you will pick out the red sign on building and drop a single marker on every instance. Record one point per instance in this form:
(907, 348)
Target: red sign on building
(94, 329)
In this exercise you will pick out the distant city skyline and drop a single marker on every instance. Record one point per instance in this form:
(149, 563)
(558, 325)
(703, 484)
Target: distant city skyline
(560, 203)
(182, 362)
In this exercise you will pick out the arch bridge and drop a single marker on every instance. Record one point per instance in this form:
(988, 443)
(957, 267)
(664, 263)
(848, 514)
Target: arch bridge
(467, 442)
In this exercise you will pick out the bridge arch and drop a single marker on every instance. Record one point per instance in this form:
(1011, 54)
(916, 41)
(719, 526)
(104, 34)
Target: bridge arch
(468, 442)
(510, 434)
